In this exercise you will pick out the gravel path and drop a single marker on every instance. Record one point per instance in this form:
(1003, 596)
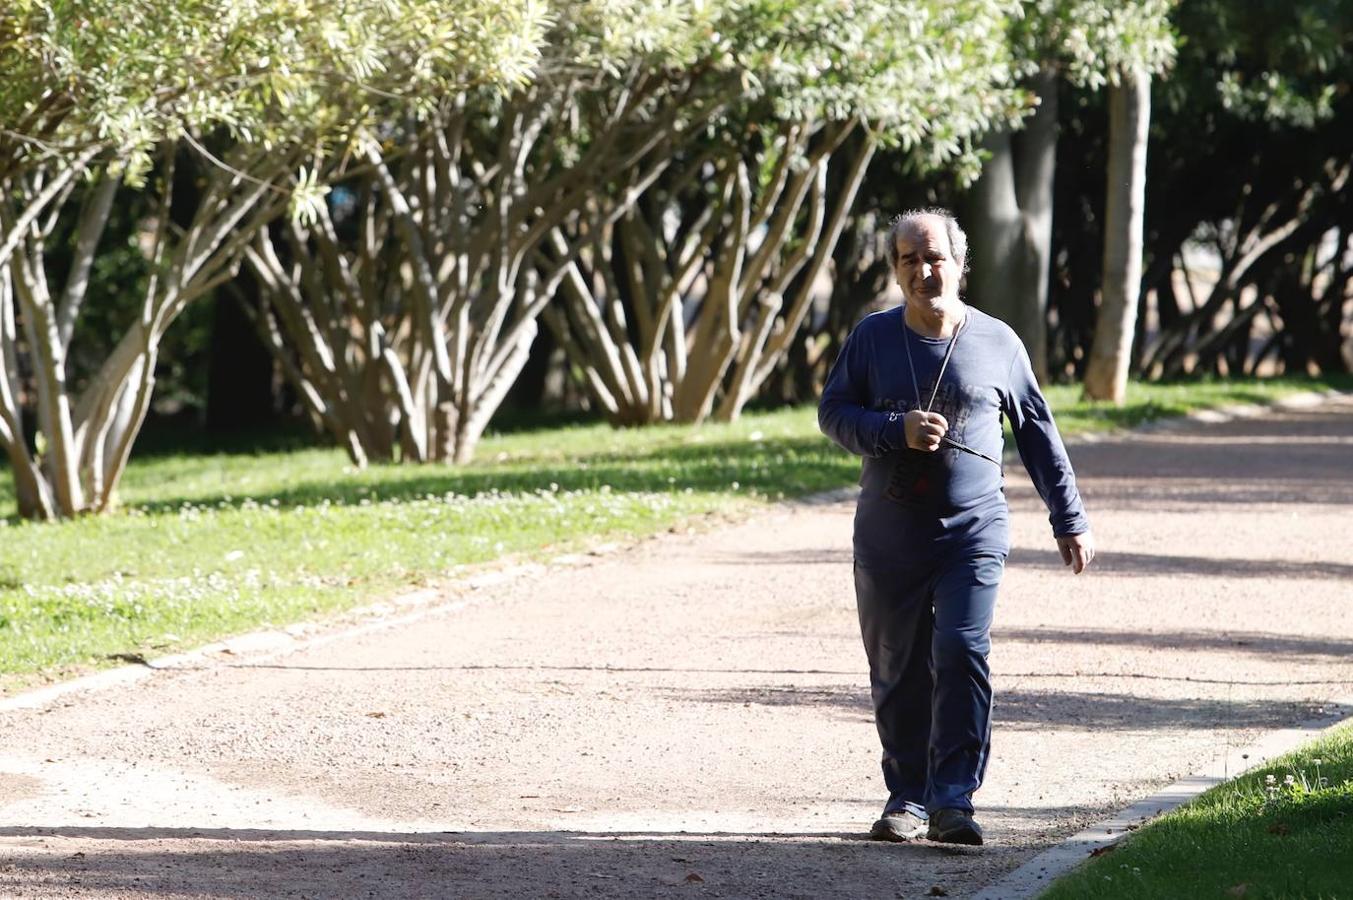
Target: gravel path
(689, 717)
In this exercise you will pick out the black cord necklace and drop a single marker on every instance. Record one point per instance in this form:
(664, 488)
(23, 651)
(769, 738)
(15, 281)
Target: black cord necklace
(916, 387)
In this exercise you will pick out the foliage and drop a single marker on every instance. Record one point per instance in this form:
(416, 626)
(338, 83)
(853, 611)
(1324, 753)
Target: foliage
(682, 305)
(1281, 830)
(130, 73)
(105, 87)
(403, 329)
(1092, 41)
(1268, 62)
(927, 76)
(1261, 187)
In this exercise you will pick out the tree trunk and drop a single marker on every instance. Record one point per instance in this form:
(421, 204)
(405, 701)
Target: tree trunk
(31, 490)
(89, 438)
(1010, 218)
(1129, 118)
(61, 461)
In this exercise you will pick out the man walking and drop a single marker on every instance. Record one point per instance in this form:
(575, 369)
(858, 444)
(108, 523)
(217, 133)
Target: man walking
(919, 392)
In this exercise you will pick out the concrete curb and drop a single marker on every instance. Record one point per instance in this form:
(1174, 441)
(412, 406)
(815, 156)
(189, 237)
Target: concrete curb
(261, 645)
(1036, 875)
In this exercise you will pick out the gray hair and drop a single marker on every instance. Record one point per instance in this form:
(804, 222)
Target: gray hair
(907, 221)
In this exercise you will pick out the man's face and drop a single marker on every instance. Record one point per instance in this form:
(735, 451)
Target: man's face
(926, 269)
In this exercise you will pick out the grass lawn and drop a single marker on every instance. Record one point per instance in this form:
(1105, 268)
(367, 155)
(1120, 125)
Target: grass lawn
(211, 544)
(1252, 837)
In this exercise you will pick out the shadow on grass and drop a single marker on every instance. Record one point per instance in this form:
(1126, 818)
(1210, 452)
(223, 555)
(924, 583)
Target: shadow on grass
(1165, 467)
(161, 439)
(803, 465)
(791, 466)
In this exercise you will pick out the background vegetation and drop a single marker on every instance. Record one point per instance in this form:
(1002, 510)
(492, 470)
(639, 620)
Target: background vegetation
(211, 543)
(342, 270)
(394, 229)
(395, 225)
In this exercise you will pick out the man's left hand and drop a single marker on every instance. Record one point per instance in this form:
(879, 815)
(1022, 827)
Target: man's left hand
(1077, 550)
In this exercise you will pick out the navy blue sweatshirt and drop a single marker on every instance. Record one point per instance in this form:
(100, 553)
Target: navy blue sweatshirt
(916, 504)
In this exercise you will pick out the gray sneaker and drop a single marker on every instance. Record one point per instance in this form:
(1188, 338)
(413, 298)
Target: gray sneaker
(954, 826)
(898, 826)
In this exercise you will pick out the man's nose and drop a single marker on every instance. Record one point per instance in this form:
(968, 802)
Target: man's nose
(926, 270)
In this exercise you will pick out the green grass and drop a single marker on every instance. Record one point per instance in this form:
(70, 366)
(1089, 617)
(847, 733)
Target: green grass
(211, 544)
(1245, 838)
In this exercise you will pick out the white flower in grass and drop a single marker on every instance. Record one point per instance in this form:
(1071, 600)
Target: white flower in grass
(1289, 781)
(1269, 779)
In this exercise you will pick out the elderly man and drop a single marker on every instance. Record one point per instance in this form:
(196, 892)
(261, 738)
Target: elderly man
(919, 392)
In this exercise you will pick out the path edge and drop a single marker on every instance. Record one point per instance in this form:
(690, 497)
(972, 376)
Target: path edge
(1038, 874)
(262, 644)
(415, 604)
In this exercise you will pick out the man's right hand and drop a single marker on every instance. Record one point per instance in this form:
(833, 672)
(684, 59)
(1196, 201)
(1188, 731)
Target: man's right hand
(923, 430)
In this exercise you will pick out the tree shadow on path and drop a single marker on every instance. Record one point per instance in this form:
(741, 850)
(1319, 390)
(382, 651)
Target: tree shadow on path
(1114, 562)
(154, 862)
(1261, 643)
(1039, 709)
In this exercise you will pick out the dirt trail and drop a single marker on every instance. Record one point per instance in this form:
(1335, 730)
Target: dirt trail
(689, 717)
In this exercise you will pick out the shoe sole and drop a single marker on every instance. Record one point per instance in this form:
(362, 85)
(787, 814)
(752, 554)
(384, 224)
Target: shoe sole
(881, 832)
(965, 836)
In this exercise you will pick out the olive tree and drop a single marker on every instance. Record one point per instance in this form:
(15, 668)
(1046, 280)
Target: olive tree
(406, 309)
(1106, 373)
(1092, 44)
(128, 91)
(681, 308)
(1277, 215)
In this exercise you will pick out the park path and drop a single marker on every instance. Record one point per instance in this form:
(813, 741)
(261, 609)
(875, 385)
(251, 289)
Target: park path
(689, 717)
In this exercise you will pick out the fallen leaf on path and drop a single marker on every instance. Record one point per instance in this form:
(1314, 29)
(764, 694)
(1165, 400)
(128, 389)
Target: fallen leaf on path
(937, 891)
(693, 878)
(375, 715)
(1100, 851)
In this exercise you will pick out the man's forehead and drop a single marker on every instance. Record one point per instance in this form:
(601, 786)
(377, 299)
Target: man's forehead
(923, 233)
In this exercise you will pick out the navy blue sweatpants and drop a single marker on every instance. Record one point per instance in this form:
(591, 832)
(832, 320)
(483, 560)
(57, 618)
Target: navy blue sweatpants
(927, 633)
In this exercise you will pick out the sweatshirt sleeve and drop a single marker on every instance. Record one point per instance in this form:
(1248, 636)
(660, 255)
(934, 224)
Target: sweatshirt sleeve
(844, 415)
(1041, 448)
